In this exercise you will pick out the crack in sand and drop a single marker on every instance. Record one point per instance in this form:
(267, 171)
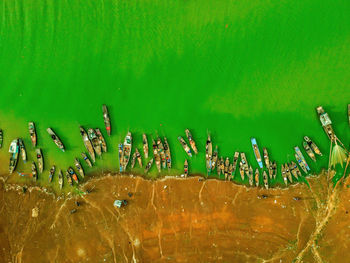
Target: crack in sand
(58, 213)
(200, 193)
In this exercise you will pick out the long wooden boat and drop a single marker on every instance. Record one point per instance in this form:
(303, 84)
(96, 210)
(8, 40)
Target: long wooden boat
(40, 160)
(309, 152)
(185, 146)
(293, 169)
(301, 157)
(1, 138)
(34, 172)
(191, 140)
(226, 165)
(161, 152)
(121, 157)
(230, 172)
(148, 166)
(138, 157)
(325, 122)
(301, 163)
(95, 141)
(274, 169)
(186, 168)
(101, 140)
(32, 133)
(106, 119)
(86, 159)
(133, 160)
(79, 167)
(245, 163)
(257, 175)
(55, 138)
(221, 166)
(284, 176)
(234, 166)
(73, 174)
(14, 151)
(288, 173)
(156, 155)
(266, 158)
(214, 159)
(127, 150)
(208, 154)
(250, 176)
(241, 170)
(87, 143)
(312, 145)
(265, 179)
(51, 173)
(60, 178)
(69, 179)
(22, 150)
(167, 153)
(256, 152)
(145, 145)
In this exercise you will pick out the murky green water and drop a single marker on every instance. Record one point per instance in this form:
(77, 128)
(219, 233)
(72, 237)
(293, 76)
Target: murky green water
(236, 69)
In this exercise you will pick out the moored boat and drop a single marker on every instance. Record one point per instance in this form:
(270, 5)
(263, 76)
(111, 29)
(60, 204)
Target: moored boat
(51, 173)
(266, 158)
(32, 133)
(145, 145)
(86, 159)
(301, 157)
(106, 119)
(156, 155)
(101, 140)
(284, 176)
(288, 173)
(274, 169)
(55, 138)
(214, 159)
(138, 157)
(312, 145)
(73, 174)
(69, 179)
(256, 152)
(79, 167)
(161, 152)
(293, 169)
(325, 122)
(185, 146)
(121, 157)
(257, 174)
(191, 140)
(148, 166)
(301, 163)
(245, 163)
(60, 179)
(241, 170)
(167, 153)
(95, 141)
(87, 143)
(230, 172)
(1, 138)
(250, 176)
(133, 160)
(186, 168)
(220, 166)
(226, 165)
(234, 166)
(208, 154)
(22, 150)
(34, 172)
(127, 150)
(309, 152)
(265, 179)
(40, 160)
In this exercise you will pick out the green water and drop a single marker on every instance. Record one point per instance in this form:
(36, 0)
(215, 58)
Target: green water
(235, 68)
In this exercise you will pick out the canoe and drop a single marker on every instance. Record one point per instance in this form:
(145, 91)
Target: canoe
(87, 143)
(312, 145)
(145, 145)
(250, 176)
(106, 119)
(226, 165)
(133, 160)
(208, 154)
(302, 158)
(86, 159)
(185, 146)
(167, 153)
(69, 179)
(138, 157)
(79, 167)
(230, 172)
(121, 156)
(234, 166)
(32, 133)
(221, 166)
(245, 163)
(256, 152)
(156, 155)
(127, 150)
(191, 140)
(101, 140)
(1, 138)
(51, 173)
(34, 172)
(95, 141)
(274, 169)
(288, 173)
(301, 163)
(148, 166)
(40, 160)
(186, 168)
(284, 176)
(309, 152)
(325, 122)
(214, 159)
(293, 169)
(266, 158)
(73, 174)
(241, 170)
(55, 138)
(257, 174)
(22, 150)
(60, 179)
(161, 152)
(265, 179)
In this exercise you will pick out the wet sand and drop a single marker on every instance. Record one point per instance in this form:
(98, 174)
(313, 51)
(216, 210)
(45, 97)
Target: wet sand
(176, 220)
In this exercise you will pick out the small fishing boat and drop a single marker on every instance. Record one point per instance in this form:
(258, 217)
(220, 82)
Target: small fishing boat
(284, 176)
(214, 159)
(40, 159)
(230, 172)
(257, 174)
(312, 145)
(191, 140)
(86, 159)
(106, 119)
(145, 145)
(274, 169)
(1, 138)
(208, 154)
(309, 152)
(73, 174)
(270, 170)
(325, 122)
(266, 182)
(79, 167)
(293, 169)
(234, 166)
(34, 172)
(148, 166)
(221, 166)
(69, 179)
(298, 152)
(138, 157)
(256, 152)
(32, 133)
(245, 163)
(226, 165)
(241, 170)
(156, 155)
(133, 160)
(288, 173)
(185, 146)
(22, 150)
(186, 168)
(250, 175)
(55, 138)
(51, 173)
(87, 143)
(301, 163)
(121, 157)
(101, 140)
(95, 141)
(161, 152)
(60, 179)
(127, 150)
(167, 153)
(266, 158)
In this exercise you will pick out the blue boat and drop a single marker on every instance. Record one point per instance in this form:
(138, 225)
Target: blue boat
(257, 152)
(301, 158)
(120, 152)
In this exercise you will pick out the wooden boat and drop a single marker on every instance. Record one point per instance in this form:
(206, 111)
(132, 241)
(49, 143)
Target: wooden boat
(60, 179)
(208, 154)
(79, 167)
(214, 159)
(234, 166)
(256, 152)
(266, 158)
(95, 141)
(270, 170)
(156, 155)
(51, 173)
(257, 174)
(55, 138)
(221, 166)
(161, 152)
(73, 174)
(138, 157)
(87, 143)
(312, 145)
(226, 165)
(245, 163)
(185, 146)
(86, 159)
(127, 150)
(230, 172)
(32, 133)
(148, 166)
(34, 172)
(191, 140)
(69, 179)
(133, 160)
(288, 173)
(121, 156)
(301, 157)
(325, 122)
(301, 163)
(106, 119)
(309, 152)
(1, 138)
(266, 182)
(22, 150)
(101, 140)
(186, 168)
(40, 159)
(145, 145)
(167, 153)
(241, 170)
(250, 175)
(293, 169)
(274, 169)
(284, 176)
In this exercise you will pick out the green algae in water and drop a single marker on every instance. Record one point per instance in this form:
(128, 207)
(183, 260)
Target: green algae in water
(234, 69)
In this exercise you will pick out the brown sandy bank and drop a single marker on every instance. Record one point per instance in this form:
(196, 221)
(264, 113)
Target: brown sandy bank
(176, 220)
